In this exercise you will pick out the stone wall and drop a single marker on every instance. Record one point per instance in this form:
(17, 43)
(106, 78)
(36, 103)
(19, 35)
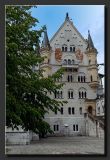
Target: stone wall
(19, 137)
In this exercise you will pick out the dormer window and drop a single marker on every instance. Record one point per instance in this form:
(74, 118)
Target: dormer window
(64, 48)
(72, 48)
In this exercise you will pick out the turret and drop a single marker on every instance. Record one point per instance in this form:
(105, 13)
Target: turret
(91, 52)
(45, 42)
(45, 52)
(90, 44)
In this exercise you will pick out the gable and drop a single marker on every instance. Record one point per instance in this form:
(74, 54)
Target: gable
(68, 35)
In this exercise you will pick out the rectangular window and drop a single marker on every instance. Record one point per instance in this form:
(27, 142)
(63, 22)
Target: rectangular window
(73, 110)
(69, 110)
(80, 110)
(70, 94)
(56, 127)
(61, 110)
(55, 112)
(75, 127)
(58, 94)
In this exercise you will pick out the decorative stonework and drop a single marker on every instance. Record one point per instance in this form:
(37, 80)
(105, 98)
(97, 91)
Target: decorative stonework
(58, 54)
(79, 55)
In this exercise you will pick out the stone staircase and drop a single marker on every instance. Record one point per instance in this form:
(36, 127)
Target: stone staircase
(94, 126)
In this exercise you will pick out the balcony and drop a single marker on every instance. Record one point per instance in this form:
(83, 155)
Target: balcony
(75, 65)
(93, 66)
(94, 84)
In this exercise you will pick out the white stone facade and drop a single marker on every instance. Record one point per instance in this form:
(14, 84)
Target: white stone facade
(100, 108)
(69, 41)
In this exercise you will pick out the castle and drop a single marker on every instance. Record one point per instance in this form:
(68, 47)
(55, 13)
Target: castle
(78, 56)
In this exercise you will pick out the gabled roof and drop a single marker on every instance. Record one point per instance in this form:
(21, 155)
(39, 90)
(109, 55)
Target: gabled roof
(71, 23)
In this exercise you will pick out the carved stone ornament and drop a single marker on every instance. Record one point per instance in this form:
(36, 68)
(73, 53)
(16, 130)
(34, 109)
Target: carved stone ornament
(79, 55)
(58, 54)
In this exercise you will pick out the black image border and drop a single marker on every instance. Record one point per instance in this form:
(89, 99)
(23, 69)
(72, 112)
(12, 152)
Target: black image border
(3, 76)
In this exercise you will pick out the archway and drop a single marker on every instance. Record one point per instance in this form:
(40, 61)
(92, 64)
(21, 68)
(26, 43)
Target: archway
(90, 110)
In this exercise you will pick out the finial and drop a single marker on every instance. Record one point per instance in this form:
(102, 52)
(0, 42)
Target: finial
(67, 16)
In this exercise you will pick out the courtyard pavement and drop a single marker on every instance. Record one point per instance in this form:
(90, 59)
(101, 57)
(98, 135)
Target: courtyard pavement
(60, 145)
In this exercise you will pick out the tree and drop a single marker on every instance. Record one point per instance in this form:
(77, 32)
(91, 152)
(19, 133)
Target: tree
(27, 92)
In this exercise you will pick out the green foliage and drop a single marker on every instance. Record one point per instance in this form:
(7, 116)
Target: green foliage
(27, 98)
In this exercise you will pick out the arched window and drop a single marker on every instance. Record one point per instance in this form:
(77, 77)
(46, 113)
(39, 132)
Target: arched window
(82, 93)
(65, 49)
(62, 49)
(81, 79)
(85, 94)
(70, 78)
(65, 61)
(78, 78)
(73, 49)
(72, 61)
(69, 61)
(70, 49)
(90, 110)
(70, 94)
(79, 94)
(84, 79)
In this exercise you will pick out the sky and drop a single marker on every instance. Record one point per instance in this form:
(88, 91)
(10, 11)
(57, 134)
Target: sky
(84, 17)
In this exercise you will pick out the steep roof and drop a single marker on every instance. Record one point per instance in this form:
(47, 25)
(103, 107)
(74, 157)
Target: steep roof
(45, 42)
(71, 23)
(90, 42)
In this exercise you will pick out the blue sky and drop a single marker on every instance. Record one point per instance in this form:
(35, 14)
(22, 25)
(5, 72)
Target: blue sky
(84, 17)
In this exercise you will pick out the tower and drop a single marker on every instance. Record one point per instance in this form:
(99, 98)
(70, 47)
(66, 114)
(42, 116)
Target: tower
(45, 52)
(92, 63)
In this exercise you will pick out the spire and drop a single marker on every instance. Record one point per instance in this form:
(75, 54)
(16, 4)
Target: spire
(45, 42)
(67, 16)
(90, 42)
